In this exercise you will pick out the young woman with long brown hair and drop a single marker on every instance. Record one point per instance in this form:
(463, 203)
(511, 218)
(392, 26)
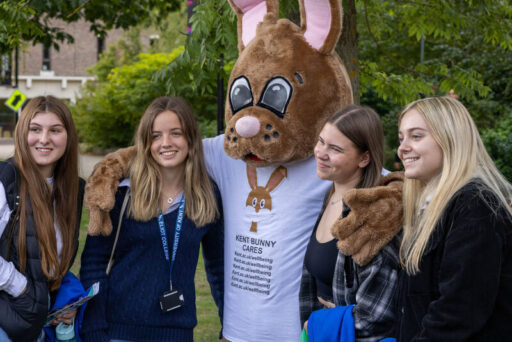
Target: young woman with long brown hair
(172, 211)
(40, 208)
(352, 257)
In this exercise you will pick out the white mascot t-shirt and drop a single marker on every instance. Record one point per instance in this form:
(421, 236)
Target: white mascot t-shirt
(269, 214)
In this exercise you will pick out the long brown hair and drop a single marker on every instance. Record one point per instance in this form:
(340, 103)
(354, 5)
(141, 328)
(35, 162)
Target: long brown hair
(34, 187)
(363, 127)
(145, 179)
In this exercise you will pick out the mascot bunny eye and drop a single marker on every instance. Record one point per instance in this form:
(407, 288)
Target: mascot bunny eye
(276, 95)
(262, 204)
(240, 95)
(254, 201)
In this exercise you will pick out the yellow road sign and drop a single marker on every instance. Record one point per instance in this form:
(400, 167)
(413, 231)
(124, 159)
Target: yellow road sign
(16, 100)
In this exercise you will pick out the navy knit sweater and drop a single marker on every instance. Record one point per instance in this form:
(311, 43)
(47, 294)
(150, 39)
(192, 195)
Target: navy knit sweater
(127, 306)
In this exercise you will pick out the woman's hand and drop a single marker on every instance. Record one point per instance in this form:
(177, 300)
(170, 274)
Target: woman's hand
(67, 318)
(325, 303)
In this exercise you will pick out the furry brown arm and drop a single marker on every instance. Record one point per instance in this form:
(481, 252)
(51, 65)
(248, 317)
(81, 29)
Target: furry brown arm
(375, 218)
(101, 188)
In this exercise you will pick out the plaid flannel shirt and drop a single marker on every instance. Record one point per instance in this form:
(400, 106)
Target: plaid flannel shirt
(373, 289)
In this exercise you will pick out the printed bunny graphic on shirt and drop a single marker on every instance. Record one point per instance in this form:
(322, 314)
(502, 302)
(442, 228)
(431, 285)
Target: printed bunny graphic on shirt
(259, 198)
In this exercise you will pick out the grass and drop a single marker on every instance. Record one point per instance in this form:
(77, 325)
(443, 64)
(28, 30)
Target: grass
(208, 325)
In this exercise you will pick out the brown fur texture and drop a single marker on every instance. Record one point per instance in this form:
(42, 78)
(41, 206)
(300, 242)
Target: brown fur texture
(375, 218)
(101, 187)
(319, 81)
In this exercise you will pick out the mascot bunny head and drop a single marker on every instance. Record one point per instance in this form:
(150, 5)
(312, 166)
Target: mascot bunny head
(286, 82)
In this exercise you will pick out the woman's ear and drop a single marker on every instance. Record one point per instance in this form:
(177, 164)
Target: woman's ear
(365, 159)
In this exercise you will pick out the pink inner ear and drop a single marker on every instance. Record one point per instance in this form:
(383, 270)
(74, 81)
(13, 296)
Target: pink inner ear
(254, 11)
(318, 22)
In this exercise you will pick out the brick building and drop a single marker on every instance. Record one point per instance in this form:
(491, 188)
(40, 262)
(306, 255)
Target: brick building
(46, 71)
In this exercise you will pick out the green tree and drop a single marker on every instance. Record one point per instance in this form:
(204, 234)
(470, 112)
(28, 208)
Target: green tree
(108, 112)
(210, 53)
(384, 37)
(31, 20)
(389, 46)
(467, 48)
(498, 141)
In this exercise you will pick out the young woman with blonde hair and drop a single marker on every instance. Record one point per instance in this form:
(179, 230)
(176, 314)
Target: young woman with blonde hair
(457, 283)
(173, 208)
(40, 209)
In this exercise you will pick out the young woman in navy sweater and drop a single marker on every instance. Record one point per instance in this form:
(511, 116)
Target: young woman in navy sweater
(149, 294)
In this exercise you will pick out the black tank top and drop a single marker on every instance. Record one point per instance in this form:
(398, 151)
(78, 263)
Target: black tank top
(320, 262)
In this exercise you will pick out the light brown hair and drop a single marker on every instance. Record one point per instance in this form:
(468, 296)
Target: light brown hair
(42, 196)
(362, 126)
(145, 178)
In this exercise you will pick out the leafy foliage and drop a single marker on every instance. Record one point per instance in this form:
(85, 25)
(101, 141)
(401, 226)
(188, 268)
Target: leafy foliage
(390, 34)
(498, 141)
(467, 48)
(210, 54)
(109, 111)
(31, 20)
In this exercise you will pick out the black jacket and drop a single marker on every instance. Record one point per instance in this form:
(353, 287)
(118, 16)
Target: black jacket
(23, 317)
(463, 291)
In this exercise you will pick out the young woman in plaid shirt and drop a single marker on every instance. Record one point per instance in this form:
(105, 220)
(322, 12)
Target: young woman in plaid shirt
(342, 266)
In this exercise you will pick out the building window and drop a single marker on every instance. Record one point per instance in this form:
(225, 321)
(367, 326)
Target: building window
(153, 39)
(100, 42)
(46, 58)
(5, 70)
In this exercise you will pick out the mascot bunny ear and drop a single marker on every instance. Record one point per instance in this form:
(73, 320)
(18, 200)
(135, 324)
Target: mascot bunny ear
(250, 13)
(320, 21)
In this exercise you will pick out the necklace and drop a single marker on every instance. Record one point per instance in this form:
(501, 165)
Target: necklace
(171, 198)
(336, 201)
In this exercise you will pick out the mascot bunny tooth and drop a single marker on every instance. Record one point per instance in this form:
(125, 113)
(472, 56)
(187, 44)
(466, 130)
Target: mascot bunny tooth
(286, 82)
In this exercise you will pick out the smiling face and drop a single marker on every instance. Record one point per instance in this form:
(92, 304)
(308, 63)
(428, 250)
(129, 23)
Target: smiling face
(420, 153)
(337, 158)
(169, 147)
(47, 140)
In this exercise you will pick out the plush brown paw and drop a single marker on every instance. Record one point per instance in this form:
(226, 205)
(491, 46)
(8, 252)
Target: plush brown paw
(100, 191)
(375, 218)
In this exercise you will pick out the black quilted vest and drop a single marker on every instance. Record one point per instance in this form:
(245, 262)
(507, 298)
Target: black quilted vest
(23, 317)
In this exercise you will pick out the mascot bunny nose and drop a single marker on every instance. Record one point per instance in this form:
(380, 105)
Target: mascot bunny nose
(248, 126)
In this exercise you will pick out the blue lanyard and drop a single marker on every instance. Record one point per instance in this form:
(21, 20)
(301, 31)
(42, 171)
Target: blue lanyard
(177, 232)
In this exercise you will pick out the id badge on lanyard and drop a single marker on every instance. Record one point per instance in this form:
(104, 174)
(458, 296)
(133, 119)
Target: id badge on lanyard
(172, 299)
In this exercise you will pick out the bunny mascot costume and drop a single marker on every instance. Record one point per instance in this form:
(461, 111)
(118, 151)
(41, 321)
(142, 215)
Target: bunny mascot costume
(286, 82)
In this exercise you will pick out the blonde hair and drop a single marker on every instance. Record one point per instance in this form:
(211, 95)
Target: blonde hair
(464, 158)
(34, 186)
(145, 178)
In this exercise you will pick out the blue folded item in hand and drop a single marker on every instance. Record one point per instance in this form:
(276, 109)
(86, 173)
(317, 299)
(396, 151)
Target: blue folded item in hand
(70, 291)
